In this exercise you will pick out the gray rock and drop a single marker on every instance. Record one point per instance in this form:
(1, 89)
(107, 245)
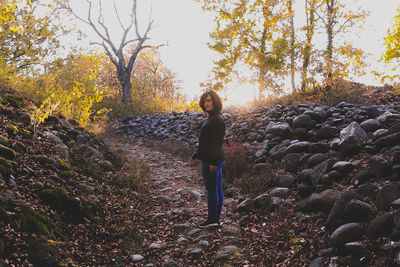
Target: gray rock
(356, 248)
(195, 252)
(282, 192)
(381, 166)
(324, 201)
(316, 159)
(387, 141)
(246, 206)
(370, 125)
(358, 211)
(301, 121)
(283, 180)
(386, 196)
(278, 129)
(343, 166)
(274, 203)
(318, 262)
(137, 257)
(291, 161)
(380, 226)
(156, 246)
(61, 150)
(261, 201)
(352, 138)
(347, 233)
(338, 211)
(370, 190)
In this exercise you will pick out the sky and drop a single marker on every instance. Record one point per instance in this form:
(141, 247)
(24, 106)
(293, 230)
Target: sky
(185, 28)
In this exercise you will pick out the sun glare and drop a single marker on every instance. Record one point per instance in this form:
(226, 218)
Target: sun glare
(239, 95)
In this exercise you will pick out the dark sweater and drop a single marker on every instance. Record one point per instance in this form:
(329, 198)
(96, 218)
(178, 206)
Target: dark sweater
(211, 139)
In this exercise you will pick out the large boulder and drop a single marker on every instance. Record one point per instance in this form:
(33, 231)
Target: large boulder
(352, 138)
(347, 233)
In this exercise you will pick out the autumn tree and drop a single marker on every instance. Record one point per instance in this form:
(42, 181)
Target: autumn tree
(338, 19)
(249, 33)
(115, 51)
(307, 47)
(27, 38)
(392, 52)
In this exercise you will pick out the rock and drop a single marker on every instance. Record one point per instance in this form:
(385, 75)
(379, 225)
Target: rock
(291, 161)
(380, 226)
(387, 141)
(195, 252)
(358, 211)
(352, 138)
(278, 129)
(283, 180)
(282, 192)
(51, 137)
(226, 252)
(246, 206)
(324, 201)
(7, 153)
(343, 166)
(318, 262)
(356, 248)
(320, 169)
(170, 263)
(370, 190)
(305, 190)
(347, 233)
(261, 201)
(386, 196)
(156, 246)
(370, 125)
(363, 176)
(316, 159)
(274, 203)
(381, 166)
(338, 211)
(137, 257)
(61, 150)
(396, 204)
(301, 121)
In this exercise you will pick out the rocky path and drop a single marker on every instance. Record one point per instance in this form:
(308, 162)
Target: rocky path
(178, 203)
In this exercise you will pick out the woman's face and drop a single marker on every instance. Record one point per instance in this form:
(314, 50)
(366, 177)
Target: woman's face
(208, 104)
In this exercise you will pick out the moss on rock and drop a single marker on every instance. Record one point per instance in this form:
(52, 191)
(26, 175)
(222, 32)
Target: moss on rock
(12, 130)
(43, 253)
(1, 247)
(12, 100)
(73, 209)
(7, 153)
(6, 168)
(33, 222)
(64, 165)
(66, 175)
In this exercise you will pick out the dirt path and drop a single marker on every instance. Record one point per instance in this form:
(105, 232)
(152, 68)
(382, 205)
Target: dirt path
(177, 199)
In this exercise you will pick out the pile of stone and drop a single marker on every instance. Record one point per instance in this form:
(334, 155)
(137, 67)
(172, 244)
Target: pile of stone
(343, 162)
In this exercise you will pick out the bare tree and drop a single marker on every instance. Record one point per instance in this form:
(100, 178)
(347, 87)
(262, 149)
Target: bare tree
(114, 51)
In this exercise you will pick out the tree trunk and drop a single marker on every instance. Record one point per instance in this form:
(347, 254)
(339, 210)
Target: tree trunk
(292, 45)
(125, 80)
(308, 45)
(329, 31)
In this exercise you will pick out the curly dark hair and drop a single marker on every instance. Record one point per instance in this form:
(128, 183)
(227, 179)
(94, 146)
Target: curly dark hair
(215, 99)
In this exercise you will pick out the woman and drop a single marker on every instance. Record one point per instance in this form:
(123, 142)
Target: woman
(211, 153)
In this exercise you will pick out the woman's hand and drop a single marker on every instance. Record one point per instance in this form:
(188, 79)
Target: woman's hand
(213, 168)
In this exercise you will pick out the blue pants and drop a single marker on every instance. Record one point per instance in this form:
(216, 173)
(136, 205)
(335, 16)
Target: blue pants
(213, 183)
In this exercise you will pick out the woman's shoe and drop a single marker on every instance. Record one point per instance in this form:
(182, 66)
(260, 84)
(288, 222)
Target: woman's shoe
(207, 223)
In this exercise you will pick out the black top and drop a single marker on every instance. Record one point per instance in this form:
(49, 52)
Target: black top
(211, 139)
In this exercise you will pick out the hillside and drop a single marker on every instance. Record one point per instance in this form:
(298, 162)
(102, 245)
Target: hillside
(315, 189)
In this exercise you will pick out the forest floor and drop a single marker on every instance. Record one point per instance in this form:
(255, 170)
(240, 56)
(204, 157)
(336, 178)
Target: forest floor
(175, 199)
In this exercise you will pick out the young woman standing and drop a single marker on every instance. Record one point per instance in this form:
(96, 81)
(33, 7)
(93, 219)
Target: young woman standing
(210, 152)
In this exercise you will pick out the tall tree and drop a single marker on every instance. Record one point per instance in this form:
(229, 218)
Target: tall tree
(391, 55)
(292, 43)
(115, 51)
(25, 37)
(249, 33)
(337, 19)
(310, 8)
